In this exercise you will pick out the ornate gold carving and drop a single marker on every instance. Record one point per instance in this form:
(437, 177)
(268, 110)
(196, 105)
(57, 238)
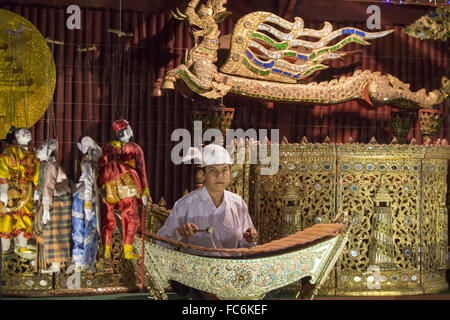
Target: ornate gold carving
(268, 58)
(335, 178)
(434, 26)
(244, 278)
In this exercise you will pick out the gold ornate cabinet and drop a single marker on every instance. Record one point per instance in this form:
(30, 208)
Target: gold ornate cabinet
(395, 197)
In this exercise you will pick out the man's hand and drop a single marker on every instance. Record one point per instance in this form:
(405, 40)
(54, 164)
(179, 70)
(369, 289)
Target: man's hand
(251, 235)
(187, 230)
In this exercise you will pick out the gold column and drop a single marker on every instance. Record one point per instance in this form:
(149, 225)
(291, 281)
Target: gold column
(291, 210)
(382, 248)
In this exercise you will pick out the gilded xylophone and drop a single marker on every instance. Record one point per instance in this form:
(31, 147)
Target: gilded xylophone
(249, 273)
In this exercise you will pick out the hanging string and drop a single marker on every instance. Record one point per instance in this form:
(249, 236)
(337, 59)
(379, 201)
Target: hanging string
(127, 108)
(93, 81)
(23, 77)
(88, 66)
(11, 95)
(119, 111)
(49, 71)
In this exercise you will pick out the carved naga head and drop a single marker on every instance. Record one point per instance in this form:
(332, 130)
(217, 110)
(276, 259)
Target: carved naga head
(205, 17)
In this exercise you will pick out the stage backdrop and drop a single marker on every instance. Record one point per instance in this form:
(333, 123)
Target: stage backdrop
(115, 81)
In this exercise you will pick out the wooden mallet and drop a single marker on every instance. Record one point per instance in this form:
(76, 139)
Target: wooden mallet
(208, 230)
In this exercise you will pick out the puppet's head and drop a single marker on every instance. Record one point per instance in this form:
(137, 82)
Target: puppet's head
(22, 136)
(123, 130)
(48, 150)
(90, 147)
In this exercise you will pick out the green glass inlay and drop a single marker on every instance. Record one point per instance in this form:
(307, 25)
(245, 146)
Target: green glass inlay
(280, 46)
(290, 54)
(254, 69)
(267, 39)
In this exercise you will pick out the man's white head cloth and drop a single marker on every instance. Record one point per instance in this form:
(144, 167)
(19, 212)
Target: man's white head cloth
(215, 154)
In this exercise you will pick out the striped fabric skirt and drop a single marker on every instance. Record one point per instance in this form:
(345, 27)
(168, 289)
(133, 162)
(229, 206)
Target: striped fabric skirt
(54, 237)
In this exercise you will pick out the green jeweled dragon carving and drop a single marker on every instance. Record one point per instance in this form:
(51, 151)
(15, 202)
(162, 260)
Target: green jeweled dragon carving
(269, 57)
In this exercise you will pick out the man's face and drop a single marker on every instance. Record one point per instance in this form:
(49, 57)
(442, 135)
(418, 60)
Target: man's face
(217, 177)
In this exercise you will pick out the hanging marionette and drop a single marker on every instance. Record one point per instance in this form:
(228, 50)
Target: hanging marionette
(18, 179)
(85, 208)
(53, 224)
(124, 183)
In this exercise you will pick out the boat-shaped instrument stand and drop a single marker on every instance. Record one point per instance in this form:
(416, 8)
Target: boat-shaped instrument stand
(250, 273)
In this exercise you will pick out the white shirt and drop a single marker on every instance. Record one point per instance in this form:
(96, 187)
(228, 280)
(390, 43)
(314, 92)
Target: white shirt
(229, 221)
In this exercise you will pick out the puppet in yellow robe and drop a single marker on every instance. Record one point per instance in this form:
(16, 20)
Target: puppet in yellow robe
(19, 170)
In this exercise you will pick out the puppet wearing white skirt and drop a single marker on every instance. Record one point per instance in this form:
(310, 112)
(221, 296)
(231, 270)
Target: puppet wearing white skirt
(85, 208)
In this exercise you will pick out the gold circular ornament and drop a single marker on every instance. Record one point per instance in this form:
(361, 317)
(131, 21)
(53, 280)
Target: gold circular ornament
(28, 76)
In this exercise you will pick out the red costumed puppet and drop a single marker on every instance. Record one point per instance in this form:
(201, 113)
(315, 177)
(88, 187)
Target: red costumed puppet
(124, 183)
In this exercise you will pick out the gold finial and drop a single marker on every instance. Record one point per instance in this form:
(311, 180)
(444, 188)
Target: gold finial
(373, 140)
(284, 141)
(382, 194)
(304, 140)
(327, 140)
(162, 202)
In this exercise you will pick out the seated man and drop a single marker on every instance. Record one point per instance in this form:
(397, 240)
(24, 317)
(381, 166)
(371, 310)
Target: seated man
(211, 206)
